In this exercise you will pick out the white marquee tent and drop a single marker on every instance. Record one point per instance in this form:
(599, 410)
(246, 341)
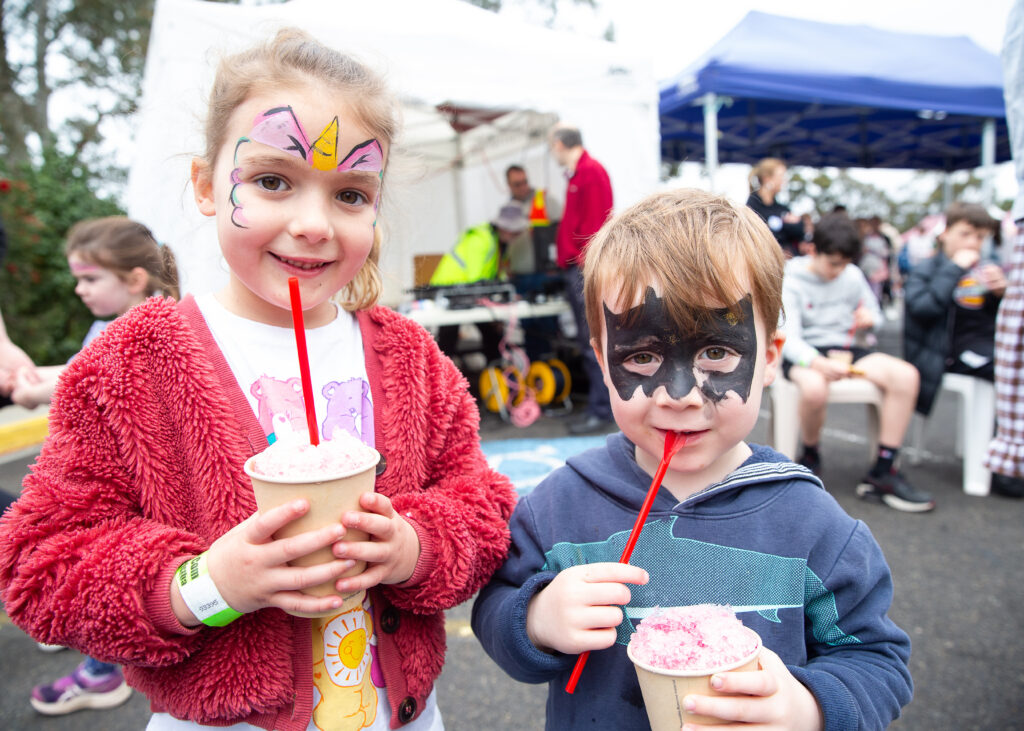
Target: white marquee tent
(435, 53)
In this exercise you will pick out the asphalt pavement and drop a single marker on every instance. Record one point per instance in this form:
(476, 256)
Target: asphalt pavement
(958, 573)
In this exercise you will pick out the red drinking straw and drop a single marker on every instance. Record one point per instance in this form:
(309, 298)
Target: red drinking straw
(300, 346)
(634, 536)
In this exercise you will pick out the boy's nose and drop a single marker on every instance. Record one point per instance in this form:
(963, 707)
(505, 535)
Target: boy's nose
(693, 397)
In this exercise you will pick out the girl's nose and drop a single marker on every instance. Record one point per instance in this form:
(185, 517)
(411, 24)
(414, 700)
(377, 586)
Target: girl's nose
(311, 222)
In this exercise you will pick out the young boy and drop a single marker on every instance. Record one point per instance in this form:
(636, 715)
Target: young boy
(682, 294)
(951, 303)
(828, 302)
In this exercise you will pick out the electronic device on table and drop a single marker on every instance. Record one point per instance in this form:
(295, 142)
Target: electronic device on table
(464, 296)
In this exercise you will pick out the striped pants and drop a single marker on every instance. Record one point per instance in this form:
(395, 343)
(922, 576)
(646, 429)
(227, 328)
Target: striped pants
(1006, 452)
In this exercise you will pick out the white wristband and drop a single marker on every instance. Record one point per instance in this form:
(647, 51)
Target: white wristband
(200, 594)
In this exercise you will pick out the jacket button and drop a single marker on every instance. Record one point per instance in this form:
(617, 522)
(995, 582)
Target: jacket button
(389, 620)
(407, 709)
(382, 465)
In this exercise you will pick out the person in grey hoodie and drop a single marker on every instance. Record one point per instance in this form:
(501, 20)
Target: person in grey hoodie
(829, 306)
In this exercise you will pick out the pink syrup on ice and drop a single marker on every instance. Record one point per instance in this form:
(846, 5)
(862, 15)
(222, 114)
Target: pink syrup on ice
(700, 637)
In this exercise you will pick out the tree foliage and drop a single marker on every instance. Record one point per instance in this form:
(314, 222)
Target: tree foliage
(38, 204)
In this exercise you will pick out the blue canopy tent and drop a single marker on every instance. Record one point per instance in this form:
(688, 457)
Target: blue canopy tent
(820, 94)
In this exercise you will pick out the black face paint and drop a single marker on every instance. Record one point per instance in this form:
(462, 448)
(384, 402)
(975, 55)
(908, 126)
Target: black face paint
(655, 334)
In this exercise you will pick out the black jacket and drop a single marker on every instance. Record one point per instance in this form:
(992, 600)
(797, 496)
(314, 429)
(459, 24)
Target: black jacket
(787, 234)
(928, 325)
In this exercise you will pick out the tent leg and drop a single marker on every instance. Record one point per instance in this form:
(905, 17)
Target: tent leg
(711, 138)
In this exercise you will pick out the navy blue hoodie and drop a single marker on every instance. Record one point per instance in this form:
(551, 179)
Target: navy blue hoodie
(767, 540)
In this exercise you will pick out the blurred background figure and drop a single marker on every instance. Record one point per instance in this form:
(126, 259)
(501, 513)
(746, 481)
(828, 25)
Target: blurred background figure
(767, 179)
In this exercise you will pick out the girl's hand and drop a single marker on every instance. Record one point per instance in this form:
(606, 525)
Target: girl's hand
(771, 698)
(391, 550)
(250, 568)
(580, 609)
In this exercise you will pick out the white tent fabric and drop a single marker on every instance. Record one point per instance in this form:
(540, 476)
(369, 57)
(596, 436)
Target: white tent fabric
(433, 52)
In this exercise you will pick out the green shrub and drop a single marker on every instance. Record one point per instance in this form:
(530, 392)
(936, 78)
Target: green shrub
(38, 204)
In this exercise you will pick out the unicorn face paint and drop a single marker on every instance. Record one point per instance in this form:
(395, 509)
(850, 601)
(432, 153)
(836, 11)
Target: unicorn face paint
(291, 204)
(706, 386)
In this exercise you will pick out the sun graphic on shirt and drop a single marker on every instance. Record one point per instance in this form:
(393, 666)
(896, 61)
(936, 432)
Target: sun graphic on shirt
(345, 655)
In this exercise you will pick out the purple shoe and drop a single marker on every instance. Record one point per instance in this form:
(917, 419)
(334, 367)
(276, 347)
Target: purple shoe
(81, 690)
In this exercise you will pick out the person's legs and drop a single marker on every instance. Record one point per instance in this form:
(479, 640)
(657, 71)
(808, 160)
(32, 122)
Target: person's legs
(599, 407)
(813, 402)
(899, 383)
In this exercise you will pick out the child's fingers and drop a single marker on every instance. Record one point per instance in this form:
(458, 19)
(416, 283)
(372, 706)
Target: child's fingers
(289, 549)
(296, 578)
(261, 527)
(297, 602)
(757, 682)
(622, 573)
(374, 502)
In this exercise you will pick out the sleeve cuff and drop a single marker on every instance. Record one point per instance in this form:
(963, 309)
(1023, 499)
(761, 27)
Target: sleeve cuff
(426, 563)
(837, 703)
(158, 602)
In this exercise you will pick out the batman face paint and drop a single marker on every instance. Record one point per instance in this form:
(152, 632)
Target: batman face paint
(718, 360)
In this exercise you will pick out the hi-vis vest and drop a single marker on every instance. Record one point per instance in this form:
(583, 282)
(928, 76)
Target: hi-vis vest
(473, 259)
(539, 210)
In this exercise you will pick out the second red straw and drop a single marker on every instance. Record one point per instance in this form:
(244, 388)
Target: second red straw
(634, 535)
(300, 345)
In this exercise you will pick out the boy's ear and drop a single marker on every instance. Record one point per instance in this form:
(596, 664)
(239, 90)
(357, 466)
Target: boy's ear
(202, 186)
(773, 356)
(137, 280)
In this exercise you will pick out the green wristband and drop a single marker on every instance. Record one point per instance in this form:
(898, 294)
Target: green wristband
(201, 595)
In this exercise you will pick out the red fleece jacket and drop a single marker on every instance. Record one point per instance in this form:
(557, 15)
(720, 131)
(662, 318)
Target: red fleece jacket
(143, 469)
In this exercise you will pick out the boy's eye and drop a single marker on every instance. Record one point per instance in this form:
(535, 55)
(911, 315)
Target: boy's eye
(351, 197)
(270, 182)
(715, 353)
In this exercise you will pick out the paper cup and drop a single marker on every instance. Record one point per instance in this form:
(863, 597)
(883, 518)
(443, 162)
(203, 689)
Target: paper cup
(329, 499)
(664, 690)
(843, 356)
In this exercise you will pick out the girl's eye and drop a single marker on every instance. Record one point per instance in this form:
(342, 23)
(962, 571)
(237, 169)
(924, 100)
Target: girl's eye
(271, 183)
(351, 197)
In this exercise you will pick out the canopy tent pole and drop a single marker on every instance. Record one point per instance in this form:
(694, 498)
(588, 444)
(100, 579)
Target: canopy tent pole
(988, 160)
(711, 138)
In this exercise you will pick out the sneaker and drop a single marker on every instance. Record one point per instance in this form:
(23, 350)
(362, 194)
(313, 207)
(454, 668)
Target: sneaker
(811, 462)
(50, 648)
(80, 690)
(894, 490)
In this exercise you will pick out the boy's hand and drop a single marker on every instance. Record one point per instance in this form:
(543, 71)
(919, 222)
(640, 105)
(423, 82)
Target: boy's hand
(391, 550)
(770, 697)
(993, 277)
(831, 368)
(577, 611)
(965, 258)
(863, 318)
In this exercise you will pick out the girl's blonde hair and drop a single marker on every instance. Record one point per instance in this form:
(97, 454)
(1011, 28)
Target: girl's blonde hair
(294, 58)
(120, 245)
(706, 252)
(764, 169)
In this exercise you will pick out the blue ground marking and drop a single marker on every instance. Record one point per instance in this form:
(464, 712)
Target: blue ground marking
(528, 461)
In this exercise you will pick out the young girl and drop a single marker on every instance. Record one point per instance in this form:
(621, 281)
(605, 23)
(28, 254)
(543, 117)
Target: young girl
(117, 264)
(143, 468)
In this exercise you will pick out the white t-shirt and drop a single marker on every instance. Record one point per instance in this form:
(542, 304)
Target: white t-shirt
(349, 692)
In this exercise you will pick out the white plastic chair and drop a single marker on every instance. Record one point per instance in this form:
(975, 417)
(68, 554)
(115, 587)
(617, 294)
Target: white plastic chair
(785, 417)
(975, 428)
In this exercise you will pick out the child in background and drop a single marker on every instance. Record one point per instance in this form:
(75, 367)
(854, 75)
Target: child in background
(683, 292)
(828, 305)
(951, 303)
(117, 264)
(151, 424)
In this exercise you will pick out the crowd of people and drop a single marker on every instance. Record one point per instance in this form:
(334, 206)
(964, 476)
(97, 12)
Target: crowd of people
(687, 306)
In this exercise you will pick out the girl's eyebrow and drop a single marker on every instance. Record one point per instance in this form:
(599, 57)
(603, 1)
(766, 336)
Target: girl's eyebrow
(276, 160)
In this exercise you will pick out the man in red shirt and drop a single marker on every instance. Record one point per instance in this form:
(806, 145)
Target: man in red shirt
(588, 204)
